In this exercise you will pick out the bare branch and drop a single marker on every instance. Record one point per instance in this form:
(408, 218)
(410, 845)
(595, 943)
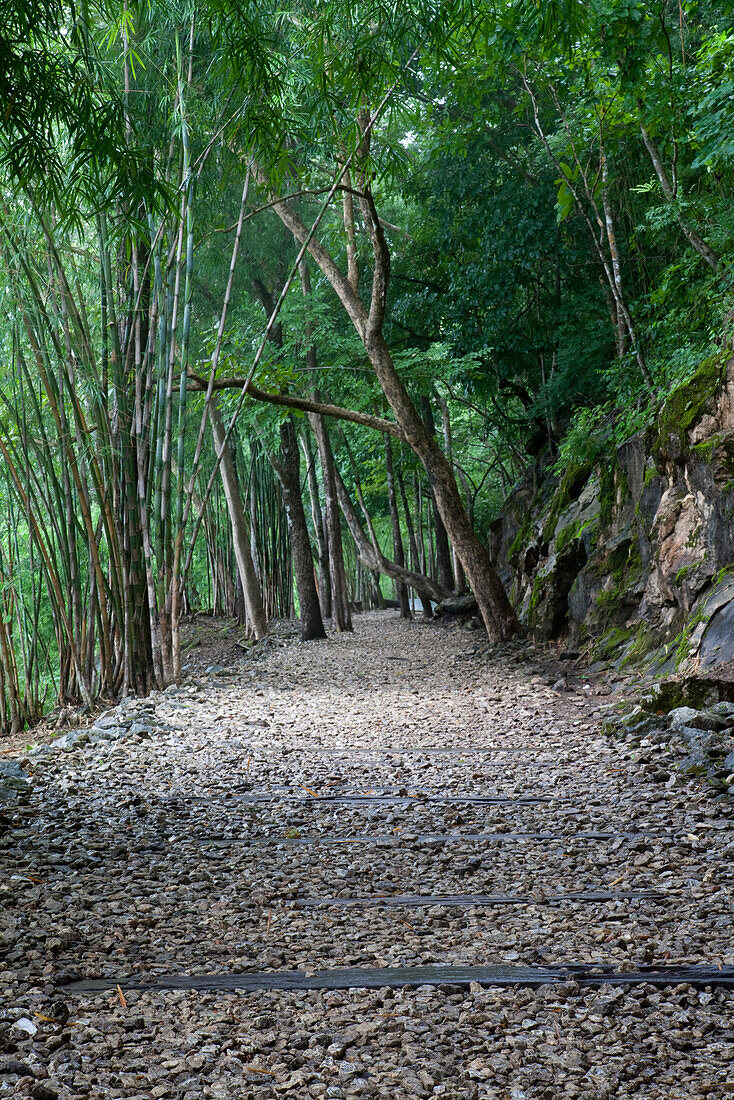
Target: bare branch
(302, 404)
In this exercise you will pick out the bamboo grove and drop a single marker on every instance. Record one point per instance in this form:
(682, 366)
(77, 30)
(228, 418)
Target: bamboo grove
(114, 523)
(291, 300)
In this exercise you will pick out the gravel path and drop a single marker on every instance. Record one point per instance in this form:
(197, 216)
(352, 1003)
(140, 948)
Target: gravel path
(196, 834)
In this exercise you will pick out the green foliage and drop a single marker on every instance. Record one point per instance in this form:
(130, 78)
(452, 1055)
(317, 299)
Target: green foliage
(587, 438)
(712, 112)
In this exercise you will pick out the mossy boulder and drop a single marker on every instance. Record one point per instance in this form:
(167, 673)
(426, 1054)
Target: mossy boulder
(622, 556)
(683, 410)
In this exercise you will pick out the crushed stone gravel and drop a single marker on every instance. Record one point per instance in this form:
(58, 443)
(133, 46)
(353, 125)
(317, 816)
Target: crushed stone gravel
(137, 853)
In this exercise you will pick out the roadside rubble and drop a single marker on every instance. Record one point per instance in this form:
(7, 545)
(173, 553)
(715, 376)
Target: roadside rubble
(689, 742)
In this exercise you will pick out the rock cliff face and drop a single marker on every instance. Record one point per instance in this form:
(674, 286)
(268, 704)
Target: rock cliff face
(636, 556)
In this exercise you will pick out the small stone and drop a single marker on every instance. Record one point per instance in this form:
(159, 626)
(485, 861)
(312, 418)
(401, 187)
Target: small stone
(59, 1012)
(17, 1069)
(697, 719)
(26, 1025)
(109, 721)
(141, 730)
(14, 778)
(113, 733)
(456, 605)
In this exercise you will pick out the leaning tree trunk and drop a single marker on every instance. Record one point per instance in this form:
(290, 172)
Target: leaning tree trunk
(240, 532)
(494, 605)
(289, 471)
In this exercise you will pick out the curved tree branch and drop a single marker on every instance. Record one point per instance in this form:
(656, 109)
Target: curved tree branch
(374, 559)
(302, 404)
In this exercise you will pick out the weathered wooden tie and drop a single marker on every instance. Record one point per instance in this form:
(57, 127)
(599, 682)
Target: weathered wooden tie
(391, 800)
(428, 838)
(469, 750)
(585, 974)
(416, 901)
(552, 750)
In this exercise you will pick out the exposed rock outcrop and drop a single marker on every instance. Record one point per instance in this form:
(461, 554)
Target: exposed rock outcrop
(457, 606)
(636, 555)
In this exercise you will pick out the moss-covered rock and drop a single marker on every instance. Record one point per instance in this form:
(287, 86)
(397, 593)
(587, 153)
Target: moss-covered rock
(622, 555)
(684, 407)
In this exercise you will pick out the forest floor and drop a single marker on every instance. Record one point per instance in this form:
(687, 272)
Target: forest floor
(196, 834)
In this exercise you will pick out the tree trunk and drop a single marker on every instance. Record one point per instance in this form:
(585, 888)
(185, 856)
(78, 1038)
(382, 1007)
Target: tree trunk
(401, 589)
(696, 241)
(377, 596)
(240, 532)
(339, 599)
(319, 526)
(423, 562)
(448, 446)
(371, 556)
(254, 530)
(494, 605)
(409, 525)
(444, 570)
(289, 471)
